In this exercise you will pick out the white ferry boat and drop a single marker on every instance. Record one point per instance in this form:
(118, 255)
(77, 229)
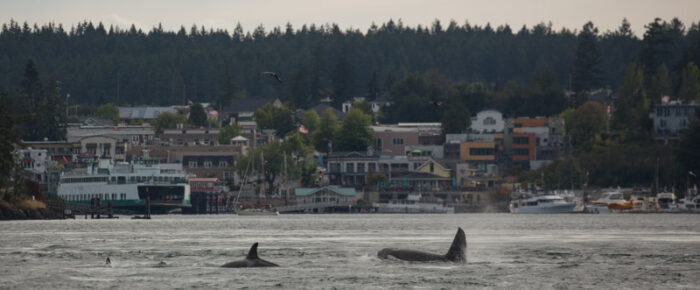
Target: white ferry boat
(542, 204)
(127, 185)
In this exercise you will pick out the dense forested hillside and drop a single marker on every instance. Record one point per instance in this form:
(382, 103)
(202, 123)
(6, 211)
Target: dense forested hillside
(96, 64)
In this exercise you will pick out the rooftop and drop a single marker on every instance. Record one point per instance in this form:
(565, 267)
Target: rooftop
(347, 191)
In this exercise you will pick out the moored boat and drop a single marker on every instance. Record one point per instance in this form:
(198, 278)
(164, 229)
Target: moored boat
(542, 204)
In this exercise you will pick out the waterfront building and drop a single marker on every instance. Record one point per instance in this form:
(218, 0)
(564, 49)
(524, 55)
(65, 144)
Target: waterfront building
(35, 161)
(671, 117)
(191, 136)
(331, 195)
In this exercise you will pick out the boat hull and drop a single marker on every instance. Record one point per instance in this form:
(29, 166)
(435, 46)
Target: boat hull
(555, 208)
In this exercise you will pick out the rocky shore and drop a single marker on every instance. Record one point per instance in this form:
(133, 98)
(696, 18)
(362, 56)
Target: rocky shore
(13, 212)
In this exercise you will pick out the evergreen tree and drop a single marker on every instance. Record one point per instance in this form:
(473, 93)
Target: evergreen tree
(456, 118)
(198, 116)
(690, 83)
(326, 131)
(656, 46)
(31, 85)
(660, 85)
(631, 108)
(587, 120)
(51, 118)
(355, 134)
(8, 142)
(342, 79)
(373, 90)
(587, 74)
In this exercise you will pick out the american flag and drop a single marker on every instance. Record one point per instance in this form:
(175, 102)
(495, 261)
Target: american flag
(303, 130)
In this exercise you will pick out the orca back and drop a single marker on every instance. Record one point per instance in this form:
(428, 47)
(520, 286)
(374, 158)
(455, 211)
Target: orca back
(458, 249)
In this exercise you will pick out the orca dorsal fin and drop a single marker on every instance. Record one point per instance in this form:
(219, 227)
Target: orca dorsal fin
(457, 252)
(253, 253)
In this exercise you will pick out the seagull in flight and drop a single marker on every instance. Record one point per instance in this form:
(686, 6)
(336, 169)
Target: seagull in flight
(272, 74)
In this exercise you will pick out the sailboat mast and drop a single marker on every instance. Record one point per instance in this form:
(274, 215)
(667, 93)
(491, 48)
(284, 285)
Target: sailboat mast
(286, 185)
(262, 171)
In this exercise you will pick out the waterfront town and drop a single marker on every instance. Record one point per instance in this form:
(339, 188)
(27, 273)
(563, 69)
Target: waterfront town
(408, 167)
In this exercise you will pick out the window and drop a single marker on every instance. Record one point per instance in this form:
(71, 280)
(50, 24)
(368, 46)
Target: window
(349, 167)
(91, 148)
(397, 141)
(379, 144)
(489, 121)
(521, 152)
(520, 140)
(223, 164)
(207, 164)
(432, 167)
(481, 151)
(360, 167)
(192, 164)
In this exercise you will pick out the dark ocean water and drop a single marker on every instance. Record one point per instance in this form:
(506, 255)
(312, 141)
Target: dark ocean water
(617, 251)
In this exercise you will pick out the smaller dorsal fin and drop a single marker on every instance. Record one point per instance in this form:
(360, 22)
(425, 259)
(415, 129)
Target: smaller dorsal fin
(458, 250)
(253, 253)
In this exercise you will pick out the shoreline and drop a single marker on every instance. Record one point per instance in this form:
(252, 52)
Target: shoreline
(12, 212)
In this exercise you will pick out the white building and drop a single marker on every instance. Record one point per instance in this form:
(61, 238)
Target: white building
(671, 117)
(487, 121)
(35, 161)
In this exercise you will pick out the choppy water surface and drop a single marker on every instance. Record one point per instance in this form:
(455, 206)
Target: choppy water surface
(339, 251)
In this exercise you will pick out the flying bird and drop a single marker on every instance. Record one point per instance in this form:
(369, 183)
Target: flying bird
(274, 75)
(435, 103)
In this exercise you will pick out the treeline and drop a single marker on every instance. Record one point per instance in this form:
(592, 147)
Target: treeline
(98, 64)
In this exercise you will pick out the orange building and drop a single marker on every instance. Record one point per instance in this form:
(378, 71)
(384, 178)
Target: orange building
(477, 151)
(522, 147)
(530, 122)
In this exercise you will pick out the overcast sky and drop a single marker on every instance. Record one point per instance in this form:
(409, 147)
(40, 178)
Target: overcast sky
(606, 14)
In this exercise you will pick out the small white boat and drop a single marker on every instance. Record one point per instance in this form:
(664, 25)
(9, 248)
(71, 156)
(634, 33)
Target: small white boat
(666, 201)
(542, 204)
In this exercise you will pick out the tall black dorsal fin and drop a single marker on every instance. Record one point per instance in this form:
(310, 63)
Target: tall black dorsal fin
(253, 253)
(457, 252)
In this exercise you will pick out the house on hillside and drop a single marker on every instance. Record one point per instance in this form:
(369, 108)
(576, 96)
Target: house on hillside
(241, 111)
